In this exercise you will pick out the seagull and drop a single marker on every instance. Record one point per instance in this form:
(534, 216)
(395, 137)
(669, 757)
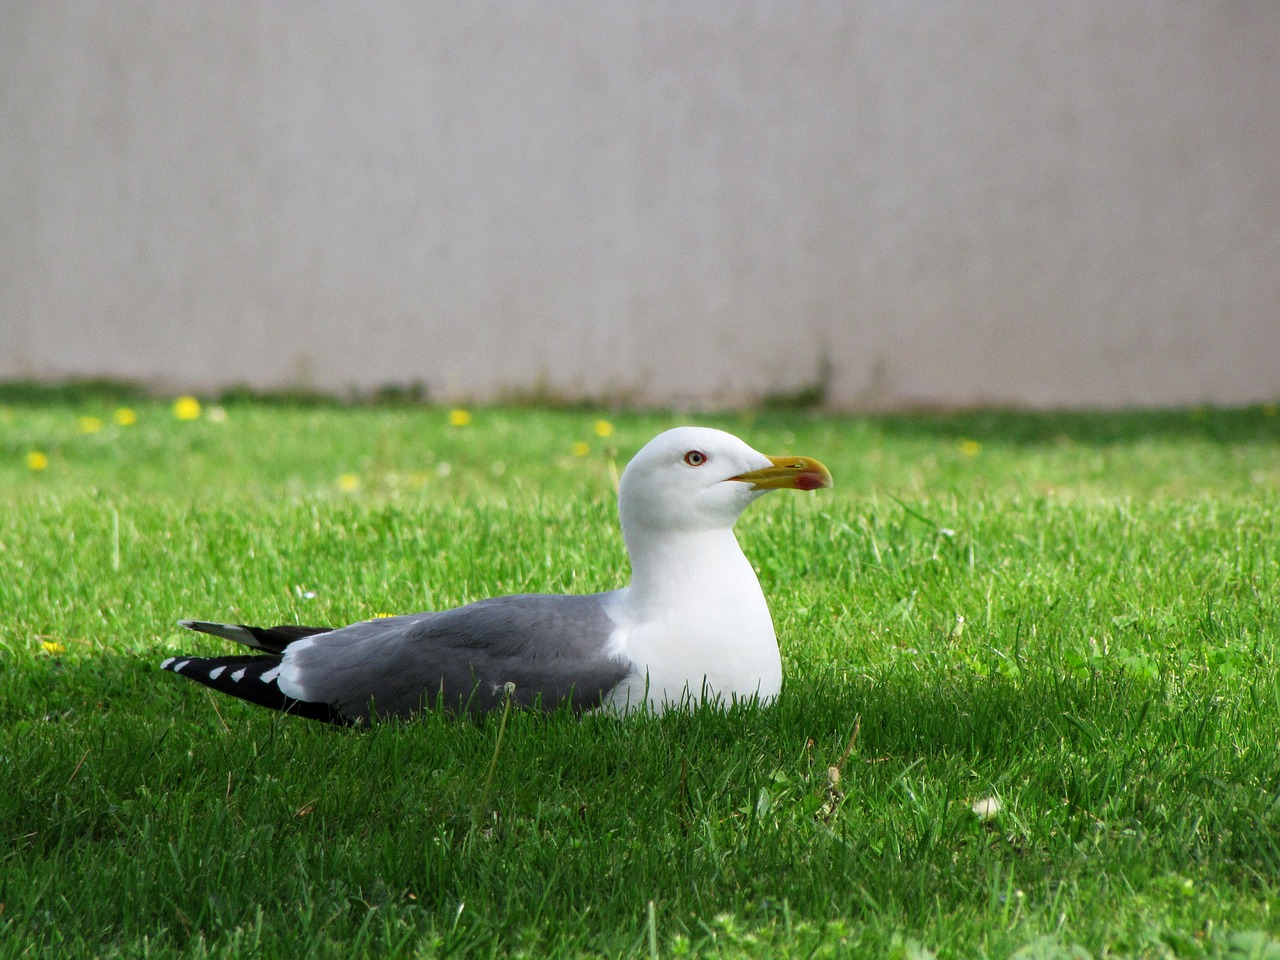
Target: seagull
(691, 628)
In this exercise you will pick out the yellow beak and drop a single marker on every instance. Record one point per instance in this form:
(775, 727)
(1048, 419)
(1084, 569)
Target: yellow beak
(796, 473)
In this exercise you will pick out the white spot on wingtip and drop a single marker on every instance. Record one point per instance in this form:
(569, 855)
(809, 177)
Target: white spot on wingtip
(165, 665)
(239, 674)
(216, 672)
(270, 675)
(177, 667)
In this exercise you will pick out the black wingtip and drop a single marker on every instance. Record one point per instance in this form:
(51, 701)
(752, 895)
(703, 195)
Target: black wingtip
(201, 626)
(266, 639)
(253, 679)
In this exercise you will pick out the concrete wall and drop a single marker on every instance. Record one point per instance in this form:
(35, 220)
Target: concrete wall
(1057, 203)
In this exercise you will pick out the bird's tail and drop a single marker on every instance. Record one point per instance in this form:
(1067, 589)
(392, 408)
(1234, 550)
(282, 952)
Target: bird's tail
(251, 678)
(267, 639)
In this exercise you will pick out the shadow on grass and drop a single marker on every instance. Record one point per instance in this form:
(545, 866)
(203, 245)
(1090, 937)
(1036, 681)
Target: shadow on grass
(1140, 771)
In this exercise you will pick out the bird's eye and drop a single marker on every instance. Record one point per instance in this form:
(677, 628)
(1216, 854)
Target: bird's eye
(695, 458)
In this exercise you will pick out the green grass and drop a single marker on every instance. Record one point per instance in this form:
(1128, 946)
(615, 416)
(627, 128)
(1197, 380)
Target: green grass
(1115, 681)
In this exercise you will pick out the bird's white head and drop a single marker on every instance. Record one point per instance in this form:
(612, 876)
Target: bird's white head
(697, 478)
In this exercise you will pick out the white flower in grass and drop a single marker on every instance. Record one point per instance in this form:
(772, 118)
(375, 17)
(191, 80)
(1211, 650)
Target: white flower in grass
(988, 808)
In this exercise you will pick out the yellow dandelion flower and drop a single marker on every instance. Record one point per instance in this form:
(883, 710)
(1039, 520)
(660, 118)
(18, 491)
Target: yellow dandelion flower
(459, 417)
(382, 616)
(581, 448)
(604, 428)
(186, 408)
(348, 483)
(970, 448)
(125, 416)
(52, 647)
(89, 424)
(37, 460)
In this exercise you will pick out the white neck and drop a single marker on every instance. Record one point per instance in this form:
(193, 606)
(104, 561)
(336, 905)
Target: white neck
(668, 568)
(695, 617)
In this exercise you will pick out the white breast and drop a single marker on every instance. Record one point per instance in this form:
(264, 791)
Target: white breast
(695, 624)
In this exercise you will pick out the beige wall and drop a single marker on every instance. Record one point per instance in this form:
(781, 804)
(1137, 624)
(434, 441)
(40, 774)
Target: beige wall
(938, 202)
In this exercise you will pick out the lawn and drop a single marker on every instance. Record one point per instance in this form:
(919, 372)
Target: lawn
(1071, 621)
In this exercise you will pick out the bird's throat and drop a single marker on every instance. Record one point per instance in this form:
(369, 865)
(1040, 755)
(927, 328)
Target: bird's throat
(705, 568)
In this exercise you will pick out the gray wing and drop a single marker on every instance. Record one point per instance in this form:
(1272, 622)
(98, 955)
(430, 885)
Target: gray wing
(552, 648)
